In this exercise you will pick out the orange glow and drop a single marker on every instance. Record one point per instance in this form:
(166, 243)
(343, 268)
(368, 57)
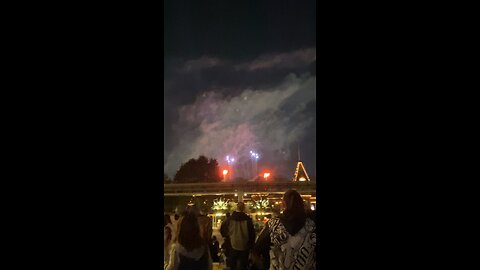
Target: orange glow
(225, 172)
(266, 175)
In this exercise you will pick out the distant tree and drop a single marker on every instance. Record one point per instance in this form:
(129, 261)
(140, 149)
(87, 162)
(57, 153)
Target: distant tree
(213, 171)
(198, 170)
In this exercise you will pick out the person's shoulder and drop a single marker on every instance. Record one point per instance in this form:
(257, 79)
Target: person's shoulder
(247, 217)
(311, 215)
(236, 216)
(273, 221)
(310, 225)
(310, 220)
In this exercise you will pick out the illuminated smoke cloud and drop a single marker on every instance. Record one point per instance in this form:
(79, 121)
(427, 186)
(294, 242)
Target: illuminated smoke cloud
(269, 121)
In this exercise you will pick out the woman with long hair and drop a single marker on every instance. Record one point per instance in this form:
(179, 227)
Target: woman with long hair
(292, 237)
(189, 250)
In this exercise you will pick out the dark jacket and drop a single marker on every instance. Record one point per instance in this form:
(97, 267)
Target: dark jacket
(214, 249)
(239, 230)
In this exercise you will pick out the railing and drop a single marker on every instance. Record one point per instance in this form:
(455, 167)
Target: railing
(231, 188)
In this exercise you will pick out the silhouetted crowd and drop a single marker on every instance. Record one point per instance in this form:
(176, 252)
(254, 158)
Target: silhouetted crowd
(286, 242)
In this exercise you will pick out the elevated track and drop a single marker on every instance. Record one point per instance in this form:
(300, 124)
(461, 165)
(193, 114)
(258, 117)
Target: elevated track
(228, 188)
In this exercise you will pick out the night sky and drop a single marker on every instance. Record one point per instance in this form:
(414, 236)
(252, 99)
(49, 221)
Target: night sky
(240, 76)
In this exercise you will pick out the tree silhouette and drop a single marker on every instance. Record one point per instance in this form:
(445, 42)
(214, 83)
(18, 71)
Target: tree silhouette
(198, 170)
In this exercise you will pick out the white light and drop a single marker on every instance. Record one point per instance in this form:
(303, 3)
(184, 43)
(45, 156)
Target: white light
(312, 207)
(236, 194)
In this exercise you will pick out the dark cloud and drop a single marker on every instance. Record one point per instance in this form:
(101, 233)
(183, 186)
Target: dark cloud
(201, 63)
(214, 73)
(237, 29)
(292, 60)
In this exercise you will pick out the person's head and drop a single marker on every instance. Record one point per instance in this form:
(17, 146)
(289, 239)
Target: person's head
(166, 220)
(293, 203)
(194, 209)
(240, 206)
(204, 209)
(214, 238)
(176, 216)
(188, 233)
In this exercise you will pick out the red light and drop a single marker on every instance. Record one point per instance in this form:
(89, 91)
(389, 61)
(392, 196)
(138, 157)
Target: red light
(266, 175)
(225, 172)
